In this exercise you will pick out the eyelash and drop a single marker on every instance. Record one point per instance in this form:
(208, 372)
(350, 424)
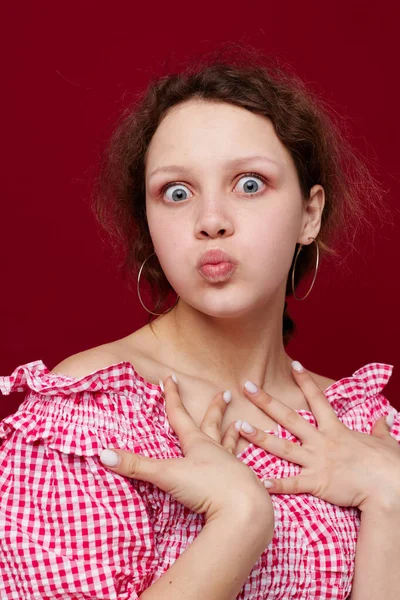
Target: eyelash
(251, 174)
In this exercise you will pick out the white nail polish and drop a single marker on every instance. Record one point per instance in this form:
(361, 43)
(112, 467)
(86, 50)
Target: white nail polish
(390, 417)
(251, 387)
(227, 396)
(238, 425)
(247, 428)
(109, 458)
(160, 383)
(298, 367)
(174, 378)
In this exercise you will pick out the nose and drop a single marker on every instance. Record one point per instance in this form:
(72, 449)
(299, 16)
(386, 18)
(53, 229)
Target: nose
(213, 221)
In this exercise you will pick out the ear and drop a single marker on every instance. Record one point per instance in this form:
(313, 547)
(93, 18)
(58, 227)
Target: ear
(313, 207)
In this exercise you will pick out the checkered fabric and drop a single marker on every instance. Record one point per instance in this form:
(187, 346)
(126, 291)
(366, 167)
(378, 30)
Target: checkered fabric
(71, 529)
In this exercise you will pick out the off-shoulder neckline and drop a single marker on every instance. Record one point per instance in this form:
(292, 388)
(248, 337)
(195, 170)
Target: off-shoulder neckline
(126, 364)
(122, 376)
(122, 363)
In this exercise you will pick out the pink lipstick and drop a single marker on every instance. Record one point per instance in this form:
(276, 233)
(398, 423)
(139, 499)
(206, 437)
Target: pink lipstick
(216, 265)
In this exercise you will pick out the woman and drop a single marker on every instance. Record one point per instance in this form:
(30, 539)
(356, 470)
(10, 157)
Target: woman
(225, 183)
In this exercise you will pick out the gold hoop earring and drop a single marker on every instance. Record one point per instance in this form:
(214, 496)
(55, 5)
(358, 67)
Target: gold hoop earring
(138, 291)
(315, 274)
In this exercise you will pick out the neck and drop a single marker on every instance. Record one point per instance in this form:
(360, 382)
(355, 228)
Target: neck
(228, 351)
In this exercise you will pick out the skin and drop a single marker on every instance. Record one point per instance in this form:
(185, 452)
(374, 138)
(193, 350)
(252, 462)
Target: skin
(216, 210)
(231, 332)
(338, 465)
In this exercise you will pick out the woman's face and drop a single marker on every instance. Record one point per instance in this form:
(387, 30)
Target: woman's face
(218, 177)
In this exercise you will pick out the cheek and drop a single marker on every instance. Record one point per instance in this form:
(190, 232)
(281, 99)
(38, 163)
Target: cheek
(264, 244)
(169, 244)
(273, 240)
(162, 231)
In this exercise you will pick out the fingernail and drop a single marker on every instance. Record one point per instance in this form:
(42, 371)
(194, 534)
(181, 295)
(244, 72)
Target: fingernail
(247, 428)
(390, 417)
(109, 458)
(298, 367)
(238, 424)
(160, 383)
(174, 378)
(227, 396)
(268, 484)
(251, 387)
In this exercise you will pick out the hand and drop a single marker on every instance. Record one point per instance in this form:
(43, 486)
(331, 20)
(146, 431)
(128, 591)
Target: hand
(340, 466)
(209, 479)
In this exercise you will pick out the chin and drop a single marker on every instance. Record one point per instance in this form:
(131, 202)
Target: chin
(222, 308)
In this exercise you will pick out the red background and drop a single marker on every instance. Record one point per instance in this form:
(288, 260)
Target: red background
(68, 70)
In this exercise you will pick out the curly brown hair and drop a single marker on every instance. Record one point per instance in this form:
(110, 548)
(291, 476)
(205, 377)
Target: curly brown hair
(240, 75)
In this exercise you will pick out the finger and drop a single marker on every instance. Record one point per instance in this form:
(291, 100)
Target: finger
(135, 466)
(273, 444)
(212, 420)
(389, 419)
(230, 439)
(280, 412)
(131, 465)
(299, 484)
(319, 404)
(381, 428)
(178, 417)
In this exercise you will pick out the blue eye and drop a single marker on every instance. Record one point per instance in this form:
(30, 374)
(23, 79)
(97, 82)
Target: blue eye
(251, 185)
(175, 192)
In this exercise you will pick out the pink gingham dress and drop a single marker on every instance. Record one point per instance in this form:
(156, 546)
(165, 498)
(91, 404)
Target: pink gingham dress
(71, 529)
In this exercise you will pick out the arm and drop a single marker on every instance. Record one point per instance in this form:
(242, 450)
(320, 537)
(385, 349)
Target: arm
(216, 565)
(377, 566)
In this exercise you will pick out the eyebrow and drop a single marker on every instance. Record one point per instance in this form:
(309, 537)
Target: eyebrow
(232, 163)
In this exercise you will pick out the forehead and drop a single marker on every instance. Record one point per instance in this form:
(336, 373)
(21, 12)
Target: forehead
(202, 130)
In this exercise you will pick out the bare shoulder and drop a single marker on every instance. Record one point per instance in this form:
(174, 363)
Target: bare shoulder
(87, 362)
(128, 349)
(321, 381)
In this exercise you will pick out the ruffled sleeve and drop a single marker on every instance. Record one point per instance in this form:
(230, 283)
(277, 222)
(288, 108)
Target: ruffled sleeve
(113, 406)
(359, 402)
(36, 376)
(71, 528)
